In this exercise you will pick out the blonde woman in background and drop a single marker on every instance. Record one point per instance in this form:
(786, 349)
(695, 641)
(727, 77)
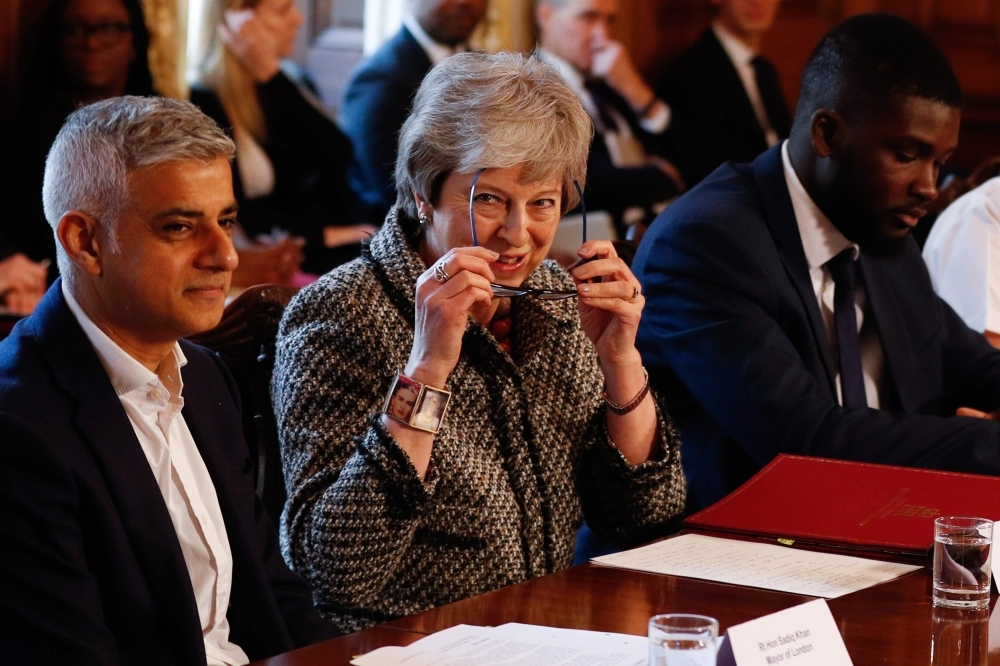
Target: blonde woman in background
(291, 159)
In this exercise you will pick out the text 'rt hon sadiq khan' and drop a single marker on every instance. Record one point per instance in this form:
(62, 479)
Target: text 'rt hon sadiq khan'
(788, 310)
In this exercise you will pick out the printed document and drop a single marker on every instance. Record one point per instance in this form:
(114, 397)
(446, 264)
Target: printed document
(521, 644)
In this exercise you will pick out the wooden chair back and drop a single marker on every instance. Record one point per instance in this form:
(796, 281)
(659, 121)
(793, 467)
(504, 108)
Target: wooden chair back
(245, 340)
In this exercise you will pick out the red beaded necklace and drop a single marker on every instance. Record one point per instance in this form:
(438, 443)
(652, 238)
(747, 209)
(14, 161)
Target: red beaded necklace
(501, 323)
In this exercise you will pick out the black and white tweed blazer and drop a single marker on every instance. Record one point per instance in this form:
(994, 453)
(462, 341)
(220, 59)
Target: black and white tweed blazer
(523, 455)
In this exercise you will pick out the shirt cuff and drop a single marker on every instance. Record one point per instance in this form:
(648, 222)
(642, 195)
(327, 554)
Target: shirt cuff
(659, 120)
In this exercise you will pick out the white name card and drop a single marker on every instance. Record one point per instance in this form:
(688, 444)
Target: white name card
(805, 635)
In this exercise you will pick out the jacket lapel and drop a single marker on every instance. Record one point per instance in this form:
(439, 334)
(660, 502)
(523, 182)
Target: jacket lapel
(412, 55)
(218, 434)
(780, 217)
(739, 106)
(892, 331)
(105, 427)
(214, 426)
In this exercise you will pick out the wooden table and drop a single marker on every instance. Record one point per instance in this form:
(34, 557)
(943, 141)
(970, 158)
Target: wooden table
(892, 623)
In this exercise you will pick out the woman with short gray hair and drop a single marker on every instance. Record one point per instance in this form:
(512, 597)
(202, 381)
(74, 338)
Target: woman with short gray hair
(451, 405)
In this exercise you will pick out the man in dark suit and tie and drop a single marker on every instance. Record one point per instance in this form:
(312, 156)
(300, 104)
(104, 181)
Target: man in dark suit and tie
(130, 529)
(788, 309)
(629, 169)
(727, 91)
(378, 97)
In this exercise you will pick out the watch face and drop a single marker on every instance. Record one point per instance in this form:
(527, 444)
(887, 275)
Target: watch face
(402, 398)
(430, 408)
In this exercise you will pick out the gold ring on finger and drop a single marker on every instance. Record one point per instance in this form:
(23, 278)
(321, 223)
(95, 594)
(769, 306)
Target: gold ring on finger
(635, 294)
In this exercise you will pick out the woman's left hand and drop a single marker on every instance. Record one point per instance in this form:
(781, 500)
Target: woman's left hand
(610, 309)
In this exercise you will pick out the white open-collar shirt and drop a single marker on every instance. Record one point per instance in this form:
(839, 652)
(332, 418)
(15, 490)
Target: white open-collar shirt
(821, 242)
(153, 403)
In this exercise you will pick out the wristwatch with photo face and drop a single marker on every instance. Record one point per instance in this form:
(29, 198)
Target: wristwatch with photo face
(417, 405)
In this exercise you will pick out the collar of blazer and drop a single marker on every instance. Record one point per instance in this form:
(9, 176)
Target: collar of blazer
(412, 56)
(738, 103)
(780, 217)
(104, 425)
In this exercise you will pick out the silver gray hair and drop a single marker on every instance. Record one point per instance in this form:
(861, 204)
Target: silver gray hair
(100, 145)
(478, 111)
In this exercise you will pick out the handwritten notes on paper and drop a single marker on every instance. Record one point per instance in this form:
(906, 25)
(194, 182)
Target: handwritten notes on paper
(761, 565)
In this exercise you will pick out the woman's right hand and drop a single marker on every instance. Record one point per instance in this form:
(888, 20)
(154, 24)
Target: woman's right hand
(22, 283)
(443, 308)
(254, 43)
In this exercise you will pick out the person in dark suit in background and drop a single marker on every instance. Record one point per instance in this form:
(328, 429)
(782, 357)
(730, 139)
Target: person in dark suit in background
(131, 532)
(378, 97)
(788, 309)
(727, 91)
(629, 166)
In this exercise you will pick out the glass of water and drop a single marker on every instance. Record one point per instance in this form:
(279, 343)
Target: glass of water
(962, 562)
(679, 639)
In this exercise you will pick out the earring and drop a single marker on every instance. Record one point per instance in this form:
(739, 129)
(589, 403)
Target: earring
(425, 220)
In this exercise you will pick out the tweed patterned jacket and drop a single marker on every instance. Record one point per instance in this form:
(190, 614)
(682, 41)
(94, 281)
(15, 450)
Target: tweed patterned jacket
(523, 454)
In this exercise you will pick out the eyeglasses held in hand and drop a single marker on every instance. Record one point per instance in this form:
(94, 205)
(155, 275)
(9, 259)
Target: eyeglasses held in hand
(501, 291)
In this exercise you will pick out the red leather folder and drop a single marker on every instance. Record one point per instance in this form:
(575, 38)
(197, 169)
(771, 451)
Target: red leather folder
(879, 508)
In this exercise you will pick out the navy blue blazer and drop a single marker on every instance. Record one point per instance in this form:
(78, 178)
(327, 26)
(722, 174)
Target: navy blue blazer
(376, 104)
(91, 571)
(732, 334)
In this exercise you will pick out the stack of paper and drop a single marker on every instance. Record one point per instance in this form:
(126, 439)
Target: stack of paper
(755, 564)
(522, 644)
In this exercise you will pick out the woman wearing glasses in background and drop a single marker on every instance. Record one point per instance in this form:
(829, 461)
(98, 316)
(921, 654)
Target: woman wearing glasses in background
(86, 51)
(532, 410)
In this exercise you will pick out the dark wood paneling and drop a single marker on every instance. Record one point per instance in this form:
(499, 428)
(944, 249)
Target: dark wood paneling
(655, 31)
(19, 21)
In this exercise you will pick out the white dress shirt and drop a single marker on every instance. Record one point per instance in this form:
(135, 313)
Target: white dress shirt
(822, 242)
(624, 148)
(742, 57)
(962, 254)
(435, 51)
(153, 404)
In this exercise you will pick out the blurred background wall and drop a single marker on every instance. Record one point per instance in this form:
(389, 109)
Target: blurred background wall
(339, 32)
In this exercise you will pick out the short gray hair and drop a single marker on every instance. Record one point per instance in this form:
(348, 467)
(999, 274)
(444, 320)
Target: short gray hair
(100, 145)
(477, 111)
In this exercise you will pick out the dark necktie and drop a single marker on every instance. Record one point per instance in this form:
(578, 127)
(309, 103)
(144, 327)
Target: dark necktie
(843, 270)
(595, 88)
(770, 96)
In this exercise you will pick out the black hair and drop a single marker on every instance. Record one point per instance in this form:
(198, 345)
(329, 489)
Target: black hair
(46, 71)
(870, 57)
